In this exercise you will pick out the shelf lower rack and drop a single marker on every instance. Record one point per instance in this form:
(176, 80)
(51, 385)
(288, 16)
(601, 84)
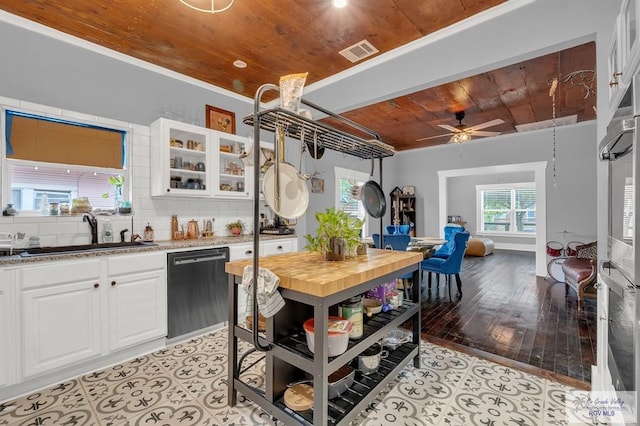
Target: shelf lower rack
(348, 403)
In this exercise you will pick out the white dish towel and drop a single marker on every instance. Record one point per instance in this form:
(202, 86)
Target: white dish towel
(269, 299)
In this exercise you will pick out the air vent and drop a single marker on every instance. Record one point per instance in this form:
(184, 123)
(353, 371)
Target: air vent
(359, 51)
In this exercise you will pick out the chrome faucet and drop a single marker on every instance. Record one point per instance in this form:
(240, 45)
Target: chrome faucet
(93, 223)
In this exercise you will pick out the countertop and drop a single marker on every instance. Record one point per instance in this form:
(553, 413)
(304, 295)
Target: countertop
(308, 273)
(161, 245)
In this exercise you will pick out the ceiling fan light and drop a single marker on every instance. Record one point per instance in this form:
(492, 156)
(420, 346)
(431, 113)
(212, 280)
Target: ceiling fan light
(339, 3)
(461, 137)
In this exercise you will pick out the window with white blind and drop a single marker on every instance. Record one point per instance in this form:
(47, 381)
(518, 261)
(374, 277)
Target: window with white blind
(50, 159)
(346, 180)
(507, 209)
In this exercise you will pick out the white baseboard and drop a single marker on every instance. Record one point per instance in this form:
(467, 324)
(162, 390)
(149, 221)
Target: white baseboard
(512, 246)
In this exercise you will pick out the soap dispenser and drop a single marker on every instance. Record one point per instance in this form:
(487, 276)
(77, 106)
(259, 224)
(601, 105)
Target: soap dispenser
(148, 233)
(107, 232)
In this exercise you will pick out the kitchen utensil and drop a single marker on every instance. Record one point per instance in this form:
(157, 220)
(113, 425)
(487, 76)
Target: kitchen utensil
(369, 360)
(305, 176)
(396, 338)
(372, 197)
(299, 397)
(337, 383)
(193, 230)
(340, 380)
(372, 306)
(338, 340)
(294, 193)
(315, 150)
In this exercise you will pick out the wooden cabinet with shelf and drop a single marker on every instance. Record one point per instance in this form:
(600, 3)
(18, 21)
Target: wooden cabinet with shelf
(405, 205)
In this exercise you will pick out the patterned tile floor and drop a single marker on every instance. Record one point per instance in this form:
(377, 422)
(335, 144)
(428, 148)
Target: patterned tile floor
(185, 384)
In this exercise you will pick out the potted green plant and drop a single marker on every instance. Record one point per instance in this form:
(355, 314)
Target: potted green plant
(338, 235)
(236, 228)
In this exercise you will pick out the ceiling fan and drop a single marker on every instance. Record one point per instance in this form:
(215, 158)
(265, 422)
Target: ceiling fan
(462, 133)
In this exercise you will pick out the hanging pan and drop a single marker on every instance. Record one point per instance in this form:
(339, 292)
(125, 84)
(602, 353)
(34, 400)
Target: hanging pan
(284, 190)
(372, 197)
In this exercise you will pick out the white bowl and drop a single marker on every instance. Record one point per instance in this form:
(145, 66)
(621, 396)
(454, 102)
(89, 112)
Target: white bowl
(337, 342)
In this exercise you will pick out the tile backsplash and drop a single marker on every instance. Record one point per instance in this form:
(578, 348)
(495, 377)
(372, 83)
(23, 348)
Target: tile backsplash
(64, 230)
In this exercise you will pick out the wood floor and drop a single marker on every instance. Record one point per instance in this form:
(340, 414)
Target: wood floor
(508, 314)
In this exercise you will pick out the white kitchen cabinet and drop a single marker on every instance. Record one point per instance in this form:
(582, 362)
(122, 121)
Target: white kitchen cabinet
(624, 51)
(268, 247)
(61, 315)
(181, 157)
(233, 179)
(137, 299)
(278, 246)
(193, 161)
(8, 354)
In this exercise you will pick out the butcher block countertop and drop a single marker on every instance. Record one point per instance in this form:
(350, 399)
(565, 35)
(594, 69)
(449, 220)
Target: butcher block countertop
(308, 273)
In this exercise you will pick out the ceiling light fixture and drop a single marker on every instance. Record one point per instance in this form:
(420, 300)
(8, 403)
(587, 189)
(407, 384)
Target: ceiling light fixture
(339, 3)
(461, 137)
(212, 10)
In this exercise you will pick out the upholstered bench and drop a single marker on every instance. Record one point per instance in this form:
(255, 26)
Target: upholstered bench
(479, 247)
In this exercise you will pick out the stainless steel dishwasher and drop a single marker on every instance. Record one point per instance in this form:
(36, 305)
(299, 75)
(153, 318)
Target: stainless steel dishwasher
(196, 290)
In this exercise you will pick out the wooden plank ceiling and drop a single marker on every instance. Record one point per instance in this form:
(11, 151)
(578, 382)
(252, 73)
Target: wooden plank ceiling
(279, 37)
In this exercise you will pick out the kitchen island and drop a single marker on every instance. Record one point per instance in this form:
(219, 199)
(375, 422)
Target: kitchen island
(312, 288)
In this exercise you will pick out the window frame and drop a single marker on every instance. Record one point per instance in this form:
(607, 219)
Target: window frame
(342, 173)
(6, 163)
(512, 187)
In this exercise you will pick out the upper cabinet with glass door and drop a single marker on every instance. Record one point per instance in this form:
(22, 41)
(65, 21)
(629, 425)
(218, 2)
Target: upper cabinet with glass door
(181, 159)
(233, 178)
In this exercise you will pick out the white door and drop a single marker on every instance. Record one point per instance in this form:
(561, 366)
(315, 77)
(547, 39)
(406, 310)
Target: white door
(61, 325)
(137, 308)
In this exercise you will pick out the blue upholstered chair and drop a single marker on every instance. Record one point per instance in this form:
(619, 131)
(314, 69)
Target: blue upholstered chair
(445, 250)
(398, 242)
(451, 265)
(402, 229)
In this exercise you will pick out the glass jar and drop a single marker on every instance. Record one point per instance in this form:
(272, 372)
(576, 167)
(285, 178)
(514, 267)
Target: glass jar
(54, 209)
(64, 209)
(148, 233)
(352, 310)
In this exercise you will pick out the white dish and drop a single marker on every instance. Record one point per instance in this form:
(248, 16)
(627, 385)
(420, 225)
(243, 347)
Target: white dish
(294, 193)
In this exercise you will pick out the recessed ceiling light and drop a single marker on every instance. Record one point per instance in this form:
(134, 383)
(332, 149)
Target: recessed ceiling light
(339, 3)
(239, 64)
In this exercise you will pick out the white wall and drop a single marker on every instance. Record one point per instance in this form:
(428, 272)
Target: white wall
(571, 205)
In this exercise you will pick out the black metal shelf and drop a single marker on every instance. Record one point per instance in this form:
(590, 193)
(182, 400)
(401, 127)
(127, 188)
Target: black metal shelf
(351, 401)
(304, 129)
(293, 348)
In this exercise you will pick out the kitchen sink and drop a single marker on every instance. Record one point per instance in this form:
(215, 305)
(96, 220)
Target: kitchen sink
(49, 251)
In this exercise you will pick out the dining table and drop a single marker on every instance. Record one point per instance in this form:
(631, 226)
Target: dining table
(427, 245)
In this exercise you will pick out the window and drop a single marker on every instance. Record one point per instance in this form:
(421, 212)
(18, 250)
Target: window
(346, 180)
(507, 209)
(53, 160)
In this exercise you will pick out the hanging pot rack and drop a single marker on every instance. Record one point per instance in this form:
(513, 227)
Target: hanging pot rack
(306, 131)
